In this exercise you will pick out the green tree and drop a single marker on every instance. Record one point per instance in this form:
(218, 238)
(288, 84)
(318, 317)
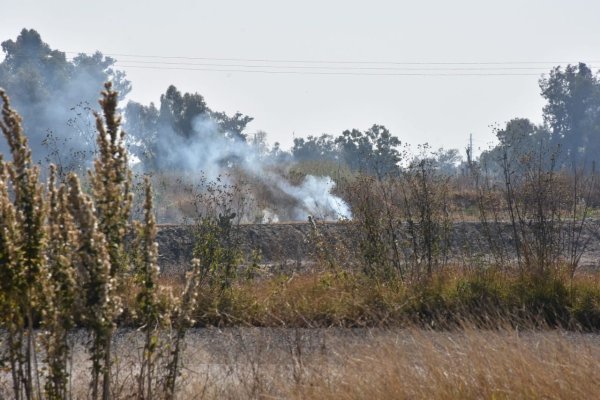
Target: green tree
(141, 124)
(572, 111)
(178, 111)
(518, 138)
(319, 148)
(446, 161)
(232, 126)
(46, 88)
(374, 151)
(181, 119)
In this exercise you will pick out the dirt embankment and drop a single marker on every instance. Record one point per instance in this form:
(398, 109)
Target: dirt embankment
(283, 243)
(289, 244)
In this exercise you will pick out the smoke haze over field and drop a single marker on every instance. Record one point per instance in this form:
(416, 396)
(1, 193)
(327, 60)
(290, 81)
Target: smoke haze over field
(56, 98)
(56, 94)
(543, 33)
(216, 156)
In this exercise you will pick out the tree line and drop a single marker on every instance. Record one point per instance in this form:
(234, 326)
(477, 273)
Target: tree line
(54, 95)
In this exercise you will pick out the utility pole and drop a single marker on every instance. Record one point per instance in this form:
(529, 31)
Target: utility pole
(470, 152)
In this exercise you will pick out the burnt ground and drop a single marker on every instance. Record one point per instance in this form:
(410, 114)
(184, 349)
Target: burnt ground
(289, 245)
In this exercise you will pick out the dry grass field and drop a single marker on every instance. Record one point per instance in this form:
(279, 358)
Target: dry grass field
(265, 363)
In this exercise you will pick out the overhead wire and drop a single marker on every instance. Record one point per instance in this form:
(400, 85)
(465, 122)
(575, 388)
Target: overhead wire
(160, 63)
(341, 73)
(332, 67)
(307, 61)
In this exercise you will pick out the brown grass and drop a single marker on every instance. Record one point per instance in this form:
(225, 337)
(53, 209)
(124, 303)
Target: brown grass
(263, 363)
(425, 365)
(351, 299)
(472, 365)
(406, 364)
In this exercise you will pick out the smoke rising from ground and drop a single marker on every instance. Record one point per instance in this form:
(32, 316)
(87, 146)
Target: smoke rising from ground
(216, 155)
(56, 97)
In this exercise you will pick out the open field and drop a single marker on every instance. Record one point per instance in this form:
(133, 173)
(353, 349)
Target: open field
(241, 363)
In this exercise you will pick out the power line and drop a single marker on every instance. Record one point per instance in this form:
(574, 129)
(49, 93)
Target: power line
(305, 61)
(332, 67)
(486, 68)
(341, 73)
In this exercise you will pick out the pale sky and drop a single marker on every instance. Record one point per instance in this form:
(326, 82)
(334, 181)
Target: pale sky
(441, 110)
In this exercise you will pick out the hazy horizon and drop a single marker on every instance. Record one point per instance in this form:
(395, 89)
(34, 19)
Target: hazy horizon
(348, 71)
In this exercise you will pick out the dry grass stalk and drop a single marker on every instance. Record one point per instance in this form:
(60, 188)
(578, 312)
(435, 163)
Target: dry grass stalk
(23, 262)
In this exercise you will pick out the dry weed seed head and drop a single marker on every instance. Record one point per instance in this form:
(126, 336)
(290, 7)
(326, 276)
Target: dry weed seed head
(59, 291)
(111, 181)
(101, 303)
(28, 199)
(9, 233)
(24, 246)
(147, 262)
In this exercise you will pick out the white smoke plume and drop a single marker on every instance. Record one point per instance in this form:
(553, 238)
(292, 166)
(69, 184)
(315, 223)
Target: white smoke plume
(315, 199)
(214, 154)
